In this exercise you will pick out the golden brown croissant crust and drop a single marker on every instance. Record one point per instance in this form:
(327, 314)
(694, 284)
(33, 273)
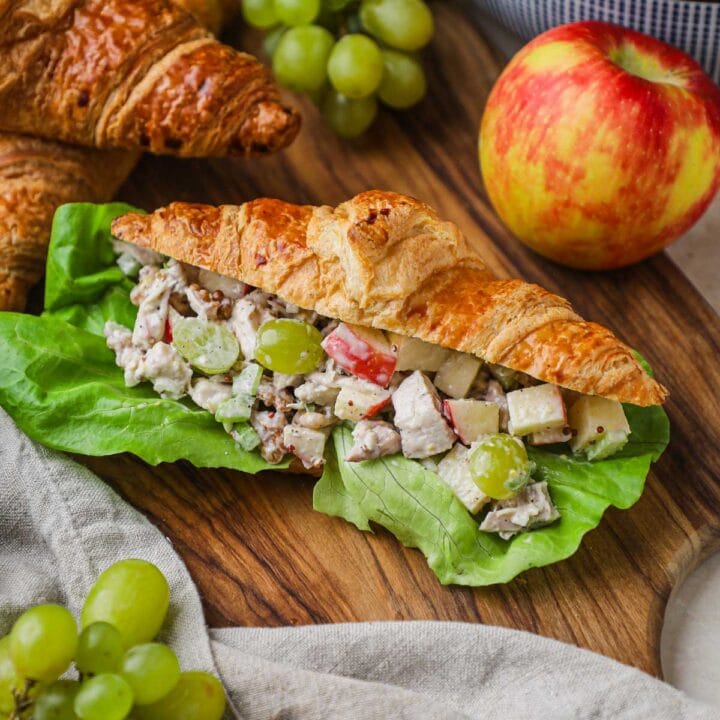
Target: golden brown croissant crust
(387, 261)
(36, 176)
(134, 74)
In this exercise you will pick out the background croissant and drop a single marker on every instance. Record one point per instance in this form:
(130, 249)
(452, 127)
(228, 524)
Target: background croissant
(134, 74)
(36, 176)
(388, 261)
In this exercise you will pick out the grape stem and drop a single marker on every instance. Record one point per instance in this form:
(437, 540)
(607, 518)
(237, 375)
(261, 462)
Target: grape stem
(21, 700)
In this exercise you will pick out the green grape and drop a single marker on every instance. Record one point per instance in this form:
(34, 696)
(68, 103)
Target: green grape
(100, 649)
(43, 642)
(297, 12)
(197, 696)
(9, 679)
(403, 84)
(272, 40)
(289, 346)
(152, 670)
(104, 697)
(349, 118)
(57, 701)
(301, 57)
(402, 24)
(209, 346)
(499, 465)
(355, 67)
(259, 13)
(132, 595)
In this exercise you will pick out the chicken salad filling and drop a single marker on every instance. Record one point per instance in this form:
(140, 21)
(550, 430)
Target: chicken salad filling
(279, 378)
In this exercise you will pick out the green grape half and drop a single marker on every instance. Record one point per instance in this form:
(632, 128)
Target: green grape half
(43, 642)
(57, 701)
(349, 118)
(499, 465)
(133, 595)
(259, 13)
(197, 696)
(209, 346)
(355, 66)
(9, 679)
(401, 24)
(403, 83)
(289, 346)
(152, 670)
(301, 56)
(104, 697)
(100, 649)
(297, 12)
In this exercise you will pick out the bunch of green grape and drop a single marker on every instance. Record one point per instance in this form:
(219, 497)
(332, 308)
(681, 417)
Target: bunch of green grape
(121, 673)
(347, 54)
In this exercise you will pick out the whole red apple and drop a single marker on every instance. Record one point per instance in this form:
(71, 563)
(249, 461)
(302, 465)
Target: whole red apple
(600, 145)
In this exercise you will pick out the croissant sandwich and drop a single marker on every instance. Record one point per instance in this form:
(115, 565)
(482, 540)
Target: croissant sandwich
(38, 175)
(366, 342)
(140, 74)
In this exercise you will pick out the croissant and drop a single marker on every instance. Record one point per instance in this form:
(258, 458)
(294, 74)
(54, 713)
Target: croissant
(134, 75)
(388, 261)
(36, 176)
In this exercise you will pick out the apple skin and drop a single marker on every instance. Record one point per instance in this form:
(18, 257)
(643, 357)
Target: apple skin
(595, 166)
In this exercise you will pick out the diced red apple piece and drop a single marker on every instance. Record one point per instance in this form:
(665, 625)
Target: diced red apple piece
(535, 409)
(591, 416)
(454, 470)
(363, 352)
(414, 354)
(551, 436)
(359, 400)
(472, 418)
(457, 374)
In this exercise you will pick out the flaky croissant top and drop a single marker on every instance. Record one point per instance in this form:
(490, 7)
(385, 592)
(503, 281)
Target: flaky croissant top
(388, 261)
(133, 74)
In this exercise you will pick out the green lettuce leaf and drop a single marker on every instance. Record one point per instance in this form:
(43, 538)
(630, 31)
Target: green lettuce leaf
(60, 383)
(422, 512)
(59, 380)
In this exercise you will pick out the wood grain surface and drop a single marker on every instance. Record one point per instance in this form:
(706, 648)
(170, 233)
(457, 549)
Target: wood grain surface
(258, 552)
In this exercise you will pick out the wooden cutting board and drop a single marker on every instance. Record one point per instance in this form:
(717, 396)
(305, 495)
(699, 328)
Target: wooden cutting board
(262, 557)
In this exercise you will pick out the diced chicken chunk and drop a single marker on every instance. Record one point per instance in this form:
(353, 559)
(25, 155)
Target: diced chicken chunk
(141, 255)
(280, 399)
(210, 395)
(373, 439)
(532, 507)
(229, 287)
(454, 470)
(423, 430)
(320, 387)
(269, 426)
(306, 444)
(315, 420)
(169, 372)
(152, 296)
(127, 356)
(248, 315)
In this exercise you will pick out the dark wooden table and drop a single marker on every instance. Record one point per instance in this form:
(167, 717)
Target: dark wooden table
(258, 552)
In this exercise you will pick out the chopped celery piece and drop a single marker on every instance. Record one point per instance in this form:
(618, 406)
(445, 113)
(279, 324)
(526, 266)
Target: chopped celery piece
(235, 409)
(610, 442)
(248, 381)
(245, 436)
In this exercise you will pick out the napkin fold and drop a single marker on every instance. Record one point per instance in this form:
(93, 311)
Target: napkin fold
(60, 526)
